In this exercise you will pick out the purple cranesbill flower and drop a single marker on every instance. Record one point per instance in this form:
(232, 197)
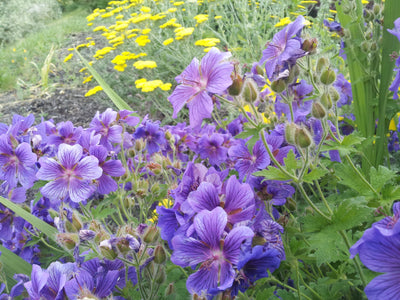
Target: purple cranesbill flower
(379, 251)
(70, 175)
(212, 147)
(212, 75)
(216, 255)
(17, 289)
(104, 124)
(38, 281)
(152, 134)
(247, 163)
(125, 116)
(396, 30)
(394, 87)
(333, 26)
(344, 88)
(283, 47)
(17, 164)
(66, 133)
(110, 168)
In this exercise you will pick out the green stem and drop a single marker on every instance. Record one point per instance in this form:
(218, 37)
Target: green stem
(273, 279)
(356, 259)
(362, 177)
(323, 197)
(303, 192)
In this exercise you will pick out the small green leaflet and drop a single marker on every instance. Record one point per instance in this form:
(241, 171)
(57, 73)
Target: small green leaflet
(381, 176)
(314, 175)
(272, 173)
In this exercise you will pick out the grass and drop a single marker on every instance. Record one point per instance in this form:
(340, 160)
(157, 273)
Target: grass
(19, 59)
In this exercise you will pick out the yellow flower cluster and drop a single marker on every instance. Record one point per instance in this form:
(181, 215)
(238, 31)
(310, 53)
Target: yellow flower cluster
(201, 18)
(167, 203)
(182, 32)
(93, 91)
(149, 86)
(208, 42)
(142, 64)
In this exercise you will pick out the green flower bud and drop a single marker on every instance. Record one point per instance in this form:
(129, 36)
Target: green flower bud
(376, 9)
(250, 91)
(335, 96)
(326, 101)
(140, 145)
(322, 64)
(151, 234)
(236, 88)
(107, 251)
(310, 45)
(365, 46)
(159, 255)
(303, 138)
(170, 289)
(373, 47)
(328, 77)
(160, 275)
(278, 86)
(290, 131)
(258, 241)
(68, 240)
(318, 111)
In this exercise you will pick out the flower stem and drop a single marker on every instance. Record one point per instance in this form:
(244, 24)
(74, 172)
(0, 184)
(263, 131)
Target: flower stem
(303, 192)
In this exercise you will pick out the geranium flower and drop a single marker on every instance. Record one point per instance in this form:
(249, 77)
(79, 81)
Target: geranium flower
(217, 255)
(70, 175)
(212, 75)
(283, 47)
(104, 124)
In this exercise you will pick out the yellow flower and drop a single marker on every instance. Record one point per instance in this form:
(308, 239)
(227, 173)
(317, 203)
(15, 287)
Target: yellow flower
(14, 50)
(145, 9)
(87, 79)
(98, 28)
(172, 10)
(141, 64)
(119, 17)
(89, 24)
(201, 18)
(120, 68)
(146, 31)
(93, 91)
(183, 32)
(364, 1)
(333, 11)
(208, 42)
(68, 57)
(309, 2)
(165, 86)
(217, 17)
(142, 40)
(83, 69)
(392, 125)
(283, 22)
(168, 41)
(170, 23)
(179, 3)
(166, 203)
(13, 61)
(117, 39)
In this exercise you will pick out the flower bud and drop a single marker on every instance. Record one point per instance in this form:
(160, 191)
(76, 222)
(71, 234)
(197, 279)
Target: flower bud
(278, 86)
(160, 275)
(250, 91)
(107, 250)
(86, 235)
(322, 64)
(335, 96)
(310, 45)
(258, 241)
(290, 131)
(170, 289)
(318, 111)
(68, 240)
(159, 255)
(302, 138)
(140, 145)
(373, 47)
(236, 88)
(326, 100)
(151, 234)
(365, 46)
(328, 76)
(376, 9)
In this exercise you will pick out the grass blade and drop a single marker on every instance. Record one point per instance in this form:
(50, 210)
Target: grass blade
(13, 264)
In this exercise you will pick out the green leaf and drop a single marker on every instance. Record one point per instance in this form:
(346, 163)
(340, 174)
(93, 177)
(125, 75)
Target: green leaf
(328, 247)
(350, 213)
(272, 173)
(291, 163)
(117, 100)
(352, 139)
(314, 175)
(390, 193)
(266, 293)
(13, 264)
(381, 176)
(247, 133)
(42, 226)
(350, 178)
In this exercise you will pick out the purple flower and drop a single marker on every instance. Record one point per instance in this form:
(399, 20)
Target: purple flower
(104, 124)
(396, 30)
(16, 163)
(38, 281)
(212, 148)
(152, 134)
(379, 251)
(394, 87)
(110, 168)
(212, 75)
(217, 255)
(247, 163)
(66, 134)
(283, 47)
(333, 26)
(70, 176)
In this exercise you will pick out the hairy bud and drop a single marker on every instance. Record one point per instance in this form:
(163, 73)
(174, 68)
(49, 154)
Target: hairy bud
(290, 131)
(303, 138)
(250, 91)
(236, 88)
(326, 100)
(318, 111)
(278, 86)
(328, 77)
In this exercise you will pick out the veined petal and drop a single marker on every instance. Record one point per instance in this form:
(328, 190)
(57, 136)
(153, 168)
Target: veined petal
(200, 108)
(80, 190)
(219, 79)
(234, 240)
(181, 95)
(113, 168)
(205, 197)
(25, 154)
(210, 225)
(191, 74)
(69, 155)
(49, 169)
(386, 286)
(189, 251)
(212, 60)
(55, 190)
(88, 168)
(106, 185)
(238, 196)
(204, 279)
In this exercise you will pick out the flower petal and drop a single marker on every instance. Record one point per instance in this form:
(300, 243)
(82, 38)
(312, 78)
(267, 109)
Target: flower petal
(69, 155)
(210, 225)
(205, 197)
